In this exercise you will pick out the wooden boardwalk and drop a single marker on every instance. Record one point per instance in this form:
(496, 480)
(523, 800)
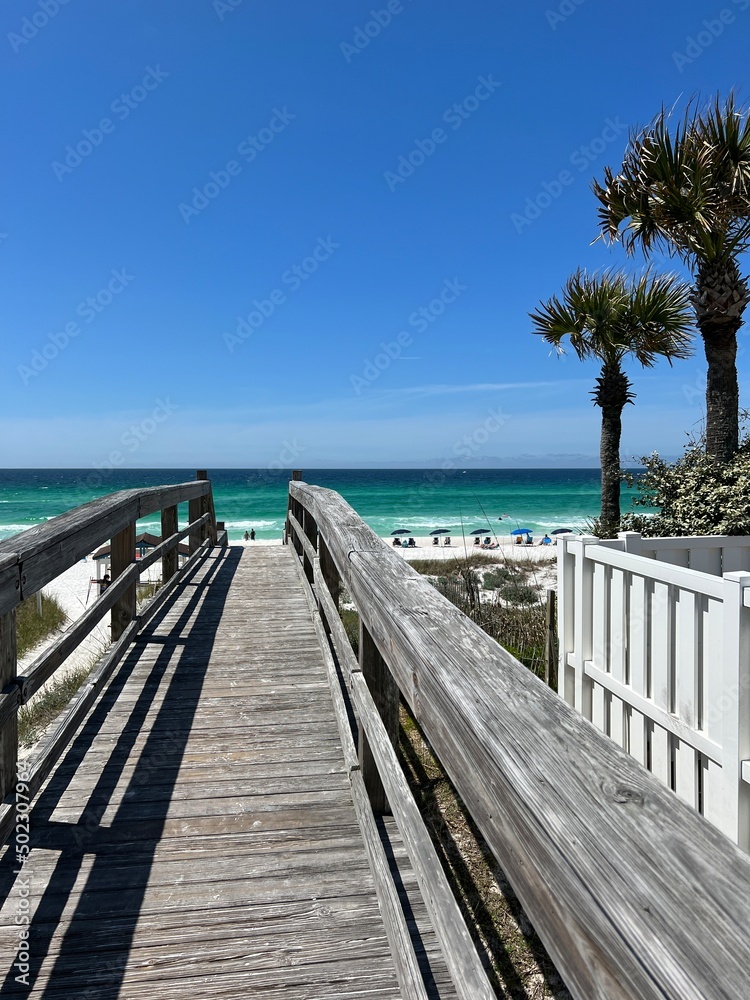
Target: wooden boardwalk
(198, 838)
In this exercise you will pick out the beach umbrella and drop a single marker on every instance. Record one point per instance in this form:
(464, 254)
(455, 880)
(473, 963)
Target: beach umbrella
(481, 531)
(401, 531)
(562, 531)
(522, 531)
(440, 531)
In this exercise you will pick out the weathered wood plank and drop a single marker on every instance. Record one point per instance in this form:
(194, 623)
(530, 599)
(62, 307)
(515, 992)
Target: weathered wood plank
(199, 837)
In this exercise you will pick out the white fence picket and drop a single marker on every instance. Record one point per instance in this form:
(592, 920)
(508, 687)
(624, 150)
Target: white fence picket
(659, 674)
(637, 630)
(684, 683)
(655, 651)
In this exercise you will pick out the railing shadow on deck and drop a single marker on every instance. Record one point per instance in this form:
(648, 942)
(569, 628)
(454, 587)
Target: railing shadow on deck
(130, 836)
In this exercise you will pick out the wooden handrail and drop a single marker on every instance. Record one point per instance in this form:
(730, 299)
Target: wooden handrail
(632, 892)
(32, 559)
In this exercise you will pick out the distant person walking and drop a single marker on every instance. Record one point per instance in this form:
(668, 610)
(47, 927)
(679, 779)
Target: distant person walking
(252, 534)
(246, 537)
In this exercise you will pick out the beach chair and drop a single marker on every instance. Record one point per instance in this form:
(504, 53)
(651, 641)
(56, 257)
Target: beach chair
(447, 540)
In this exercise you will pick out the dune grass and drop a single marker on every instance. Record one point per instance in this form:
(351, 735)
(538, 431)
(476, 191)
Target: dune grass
(34, 718)
(449, 567)
(31, 628)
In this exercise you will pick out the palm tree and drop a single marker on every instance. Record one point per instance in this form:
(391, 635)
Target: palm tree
(688, 194)
(611, 317)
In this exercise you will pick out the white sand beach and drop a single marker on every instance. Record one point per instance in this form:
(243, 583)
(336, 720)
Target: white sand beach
(426, 549)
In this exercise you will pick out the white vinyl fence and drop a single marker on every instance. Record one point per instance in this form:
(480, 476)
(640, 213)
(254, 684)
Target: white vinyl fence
(655, 652)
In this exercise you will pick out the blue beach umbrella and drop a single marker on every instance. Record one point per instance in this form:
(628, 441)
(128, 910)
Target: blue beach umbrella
(401, 531)
(522, 531)
(440, 531)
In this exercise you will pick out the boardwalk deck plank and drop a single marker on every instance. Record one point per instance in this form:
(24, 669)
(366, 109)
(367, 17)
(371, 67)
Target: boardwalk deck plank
(198, 838)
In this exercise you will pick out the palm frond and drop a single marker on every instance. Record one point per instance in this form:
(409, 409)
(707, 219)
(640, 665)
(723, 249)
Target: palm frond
(684, 185)
(610, 316)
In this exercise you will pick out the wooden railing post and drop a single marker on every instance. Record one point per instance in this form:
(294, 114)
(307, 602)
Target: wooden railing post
(195, 510)
(123, 555)
(9, 732)
(329, 572)
(170, 560)
(207, 507)
(550, 659)
(385, 694)
(311, 531)
(288, 533)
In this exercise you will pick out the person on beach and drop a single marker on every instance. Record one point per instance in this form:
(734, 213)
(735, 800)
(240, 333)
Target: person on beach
(104, 583)
(252, 534)
(546, 540)
(246, 537)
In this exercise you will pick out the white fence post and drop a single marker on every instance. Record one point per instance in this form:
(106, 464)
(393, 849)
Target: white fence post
(566, 602)
(734, 709)
(632, 541)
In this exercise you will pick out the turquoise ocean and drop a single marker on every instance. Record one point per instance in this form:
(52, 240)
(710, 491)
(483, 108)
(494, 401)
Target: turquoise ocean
(417, 500)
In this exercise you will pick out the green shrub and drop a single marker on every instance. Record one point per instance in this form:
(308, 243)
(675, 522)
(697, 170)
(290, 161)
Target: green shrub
(518, 593)
(696, 495)
(500, 576)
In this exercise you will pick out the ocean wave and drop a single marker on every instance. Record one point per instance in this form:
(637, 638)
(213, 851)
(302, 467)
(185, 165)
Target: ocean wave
(253, 523)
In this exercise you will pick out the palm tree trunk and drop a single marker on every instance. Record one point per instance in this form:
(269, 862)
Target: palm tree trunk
(609, 457)
(720, 296)
(722, 393)
(611, 394)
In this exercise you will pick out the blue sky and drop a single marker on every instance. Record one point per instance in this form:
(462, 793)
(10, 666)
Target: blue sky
(239, 233)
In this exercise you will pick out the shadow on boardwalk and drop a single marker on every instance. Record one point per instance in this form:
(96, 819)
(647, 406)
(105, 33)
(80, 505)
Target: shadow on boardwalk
(99, 872)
